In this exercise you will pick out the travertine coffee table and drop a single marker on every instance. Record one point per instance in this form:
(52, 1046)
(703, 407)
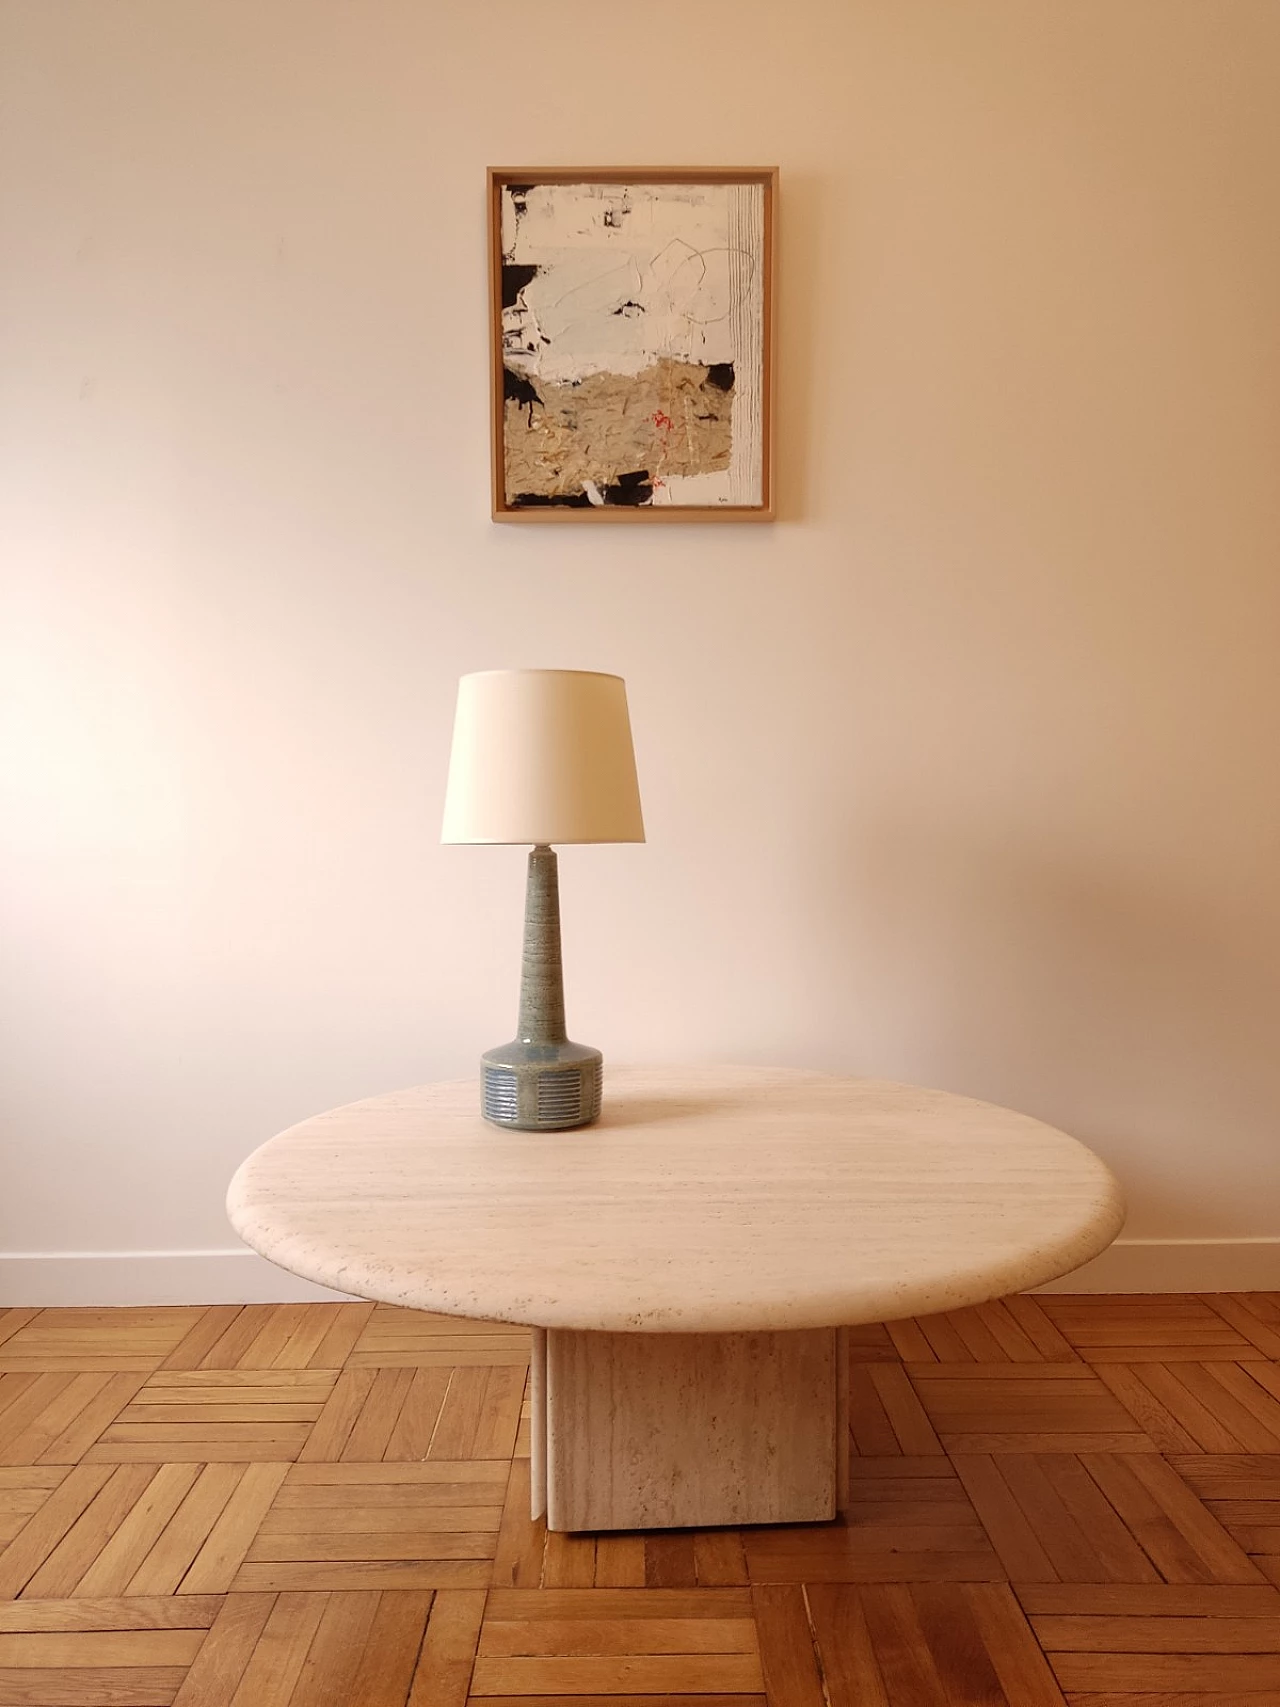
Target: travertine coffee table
(684, 1264)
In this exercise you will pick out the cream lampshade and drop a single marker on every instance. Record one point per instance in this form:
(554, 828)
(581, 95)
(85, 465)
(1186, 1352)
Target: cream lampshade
(542, 756)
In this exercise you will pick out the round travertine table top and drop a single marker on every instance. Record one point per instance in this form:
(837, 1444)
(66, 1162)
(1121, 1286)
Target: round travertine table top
(705, 1199)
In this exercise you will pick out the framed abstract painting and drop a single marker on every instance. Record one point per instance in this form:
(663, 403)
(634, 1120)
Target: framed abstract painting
(631, 339)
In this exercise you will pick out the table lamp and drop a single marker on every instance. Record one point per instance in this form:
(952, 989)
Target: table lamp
(542, 756)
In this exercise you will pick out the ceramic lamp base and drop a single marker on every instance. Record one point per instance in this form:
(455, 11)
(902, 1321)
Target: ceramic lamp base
(541, 1087)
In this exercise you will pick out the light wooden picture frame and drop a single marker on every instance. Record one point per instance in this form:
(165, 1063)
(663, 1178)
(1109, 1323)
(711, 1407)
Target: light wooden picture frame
(631, 343)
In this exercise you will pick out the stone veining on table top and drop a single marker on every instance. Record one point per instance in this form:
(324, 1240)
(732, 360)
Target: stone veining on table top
(707, 1199)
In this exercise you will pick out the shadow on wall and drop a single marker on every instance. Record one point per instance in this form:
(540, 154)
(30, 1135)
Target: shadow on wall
(1146, 1023)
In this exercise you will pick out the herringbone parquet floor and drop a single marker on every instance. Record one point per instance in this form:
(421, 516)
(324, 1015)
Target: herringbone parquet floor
(1054, 1499)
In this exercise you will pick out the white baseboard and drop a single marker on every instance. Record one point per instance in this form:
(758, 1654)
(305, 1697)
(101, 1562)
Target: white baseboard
(238, 1276)
(1178, 1265)
(54, 1278)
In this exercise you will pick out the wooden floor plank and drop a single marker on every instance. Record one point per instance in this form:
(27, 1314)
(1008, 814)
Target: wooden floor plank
(1012, 1534)
(344, 1323)
(523, 1605)
(944, 1341)
(170, 1557)
(1130, 1384)
(621, 1561)
(214, 1568)
(1135, 1635)
(447, 1655)
(12, 1320)
(1182, 1538)
(24, 1488)
(47, 1527)
(328, 1674)
(90, 1686)
(631, 1674)
(1199, 1414)
(328, 1439)
(788, 1660)
(906, 1416)
(200, 1338)
(83, 1341)
(60, 1573)
(1150, 1600)
(316, 1505)
(325, 1522)
(1253, 1403)
(13, 1384)
(1029, 1313)
(307, 1334)
(1082, 1538)
(197, 1416)
(850, 1670)
(869, 1423)
(379, 1414)
(83, 1430)
(28, 1397)
(666, 1700)
(461, 1416)
(280, 1652)
(512, 1638)
(1235, 1308)
(136, 1612)
(870, 1343)
(394, 1338)
(75, 1650)
(222, 1662)
(1230, 1475)
(909, 1341)
(270, 1345)
(1167, 1698)
(1266, 1375)
(1213, 1674)
(569, 1561)
(517, 1559)
(415, 1427)
(117, 1562)
(718, 1557)
(1119, 1555)
(409, 1575)
(61, 1418)
(1012, 1337)
(977, 1336)
(1018, 1408)
(390, 1656)
(957, 1644)
(1025, 1675)
(902, 1653)
(670, 1560)
(480, 1414)
(616, 1653)
(239, 1328)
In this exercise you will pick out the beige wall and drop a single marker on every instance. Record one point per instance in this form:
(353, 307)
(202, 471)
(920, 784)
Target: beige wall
(964, 772)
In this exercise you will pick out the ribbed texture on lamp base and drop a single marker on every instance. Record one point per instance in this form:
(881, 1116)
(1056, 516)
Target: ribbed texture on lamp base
(542, 1096)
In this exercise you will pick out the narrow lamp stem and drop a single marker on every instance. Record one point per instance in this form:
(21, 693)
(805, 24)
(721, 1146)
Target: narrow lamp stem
(541, 973)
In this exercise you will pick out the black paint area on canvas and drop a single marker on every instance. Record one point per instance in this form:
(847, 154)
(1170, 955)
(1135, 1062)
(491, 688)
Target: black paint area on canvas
(630, 491)
(515, 277)
(517, 389)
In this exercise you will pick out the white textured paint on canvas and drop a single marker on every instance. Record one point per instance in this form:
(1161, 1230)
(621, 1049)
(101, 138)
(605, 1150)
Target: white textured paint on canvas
(633, 343)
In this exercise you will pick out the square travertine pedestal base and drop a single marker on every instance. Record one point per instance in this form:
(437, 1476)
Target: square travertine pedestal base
(675, 1431)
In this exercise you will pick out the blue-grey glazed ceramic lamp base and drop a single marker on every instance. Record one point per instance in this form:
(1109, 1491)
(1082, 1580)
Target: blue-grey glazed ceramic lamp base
(540, 1082)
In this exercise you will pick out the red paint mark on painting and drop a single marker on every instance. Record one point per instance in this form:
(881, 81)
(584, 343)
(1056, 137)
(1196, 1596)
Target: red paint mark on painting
(663, 420)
